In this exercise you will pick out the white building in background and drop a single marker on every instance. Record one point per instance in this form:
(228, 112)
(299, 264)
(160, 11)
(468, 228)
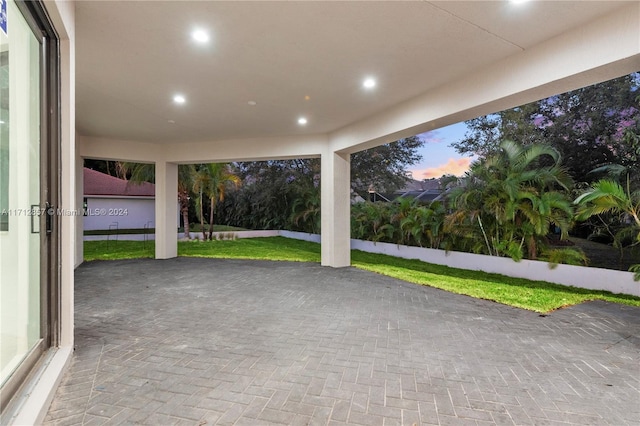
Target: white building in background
(276, 80)
(112, 203)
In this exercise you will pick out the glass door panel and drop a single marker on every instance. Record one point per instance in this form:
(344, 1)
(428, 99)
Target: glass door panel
(20, 195)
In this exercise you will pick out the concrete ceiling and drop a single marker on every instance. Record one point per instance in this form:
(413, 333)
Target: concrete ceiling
(132, 57)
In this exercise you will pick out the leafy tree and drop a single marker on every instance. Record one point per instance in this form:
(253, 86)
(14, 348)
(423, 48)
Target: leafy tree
(285, 194)
(401, 222)
(589, 127)
(274, 196)
(385, 166)
(486, 133)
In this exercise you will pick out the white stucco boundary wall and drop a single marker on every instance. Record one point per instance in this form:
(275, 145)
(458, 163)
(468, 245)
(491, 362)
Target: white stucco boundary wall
(194, 235)
(314, 238)
(569, 275)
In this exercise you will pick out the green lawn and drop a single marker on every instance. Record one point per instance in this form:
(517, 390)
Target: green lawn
(538, 296)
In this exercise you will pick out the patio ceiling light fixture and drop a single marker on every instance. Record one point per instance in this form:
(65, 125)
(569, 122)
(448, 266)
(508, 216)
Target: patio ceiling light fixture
(369, 83)
(200, 36)
(302, 121)
(179, 99)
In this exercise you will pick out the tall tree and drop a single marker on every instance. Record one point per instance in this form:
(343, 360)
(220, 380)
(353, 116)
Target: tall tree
(588, 126)
(212, 180)
(385, 166)
(285, 194)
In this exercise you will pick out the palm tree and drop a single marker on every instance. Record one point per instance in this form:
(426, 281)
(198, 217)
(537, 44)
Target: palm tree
(609, 196)
(212, 180)
(140, 172)
(185, 182)
(305, 211)
(509, 200)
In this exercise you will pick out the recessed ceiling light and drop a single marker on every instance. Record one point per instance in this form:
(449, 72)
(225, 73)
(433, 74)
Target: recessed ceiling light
(307, 97)
(518, 1)
(200, 36)
(171, 122)
(369, 83)
(302, 121)
(252, 103)
(179, 99)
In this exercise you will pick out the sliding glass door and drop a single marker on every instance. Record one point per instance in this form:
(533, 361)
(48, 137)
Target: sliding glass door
(27, 153)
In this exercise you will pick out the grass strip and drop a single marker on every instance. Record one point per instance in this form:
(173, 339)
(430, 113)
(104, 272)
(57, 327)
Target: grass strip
(267, 248)
(118, 249)
(539, 296)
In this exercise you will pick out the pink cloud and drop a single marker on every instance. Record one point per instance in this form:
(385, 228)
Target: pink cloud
(454, 166)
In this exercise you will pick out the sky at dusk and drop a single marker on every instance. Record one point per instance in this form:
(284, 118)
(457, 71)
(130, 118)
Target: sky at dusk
(438, 158)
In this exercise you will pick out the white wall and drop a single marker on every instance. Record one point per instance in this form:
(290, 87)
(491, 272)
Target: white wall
(224, 235)
(577, 276)
(128, 212)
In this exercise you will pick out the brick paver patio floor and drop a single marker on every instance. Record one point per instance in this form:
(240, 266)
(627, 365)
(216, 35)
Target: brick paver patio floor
(204, 341)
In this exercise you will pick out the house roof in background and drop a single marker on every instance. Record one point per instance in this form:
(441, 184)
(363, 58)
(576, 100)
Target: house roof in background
(96, 183)
(420, 185)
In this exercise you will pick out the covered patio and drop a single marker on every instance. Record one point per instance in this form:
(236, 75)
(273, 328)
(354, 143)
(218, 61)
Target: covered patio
(202, 341)
(170, 340)
(214, 82)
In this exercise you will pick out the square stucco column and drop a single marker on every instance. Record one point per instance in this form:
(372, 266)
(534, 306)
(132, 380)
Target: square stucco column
(335, 210)
(166, 210)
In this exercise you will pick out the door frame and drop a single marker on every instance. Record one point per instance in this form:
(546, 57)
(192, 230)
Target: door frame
(35, 14)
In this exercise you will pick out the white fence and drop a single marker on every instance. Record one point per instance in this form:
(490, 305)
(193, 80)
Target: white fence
(577, 276)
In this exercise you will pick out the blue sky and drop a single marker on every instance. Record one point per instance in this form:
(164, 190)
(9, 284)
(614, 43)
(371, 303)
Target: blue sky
(438, 157)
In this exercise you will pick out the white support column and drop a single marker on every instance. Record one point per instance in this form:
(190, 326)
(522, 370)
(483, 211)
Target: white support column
(336, 209)
(166, 210)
